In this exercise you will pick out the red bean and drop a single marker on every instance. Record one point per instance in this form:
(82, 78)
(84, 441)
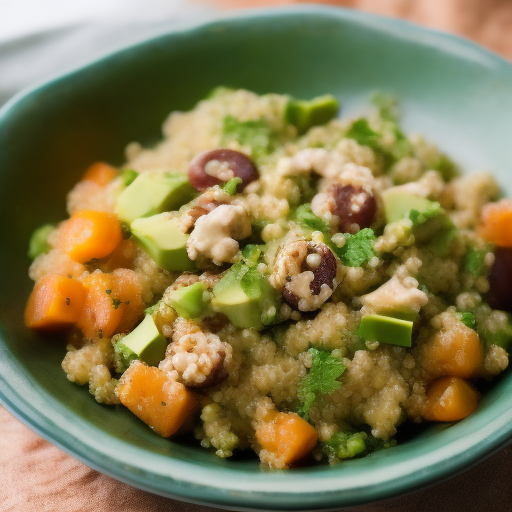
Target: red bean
(500, 280)
(353, 206)
(324, 273)
(237, 165)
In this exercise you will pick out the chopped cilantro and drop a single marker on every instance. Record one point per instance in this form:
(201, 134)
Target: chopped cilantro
(358, 248)
(116, 303)
(361, 132)
(467, 318)
(257, 134)
(307, 219)
(474, 262)
(231, 186)
(251, 254)
(430, 211)
(322, 379)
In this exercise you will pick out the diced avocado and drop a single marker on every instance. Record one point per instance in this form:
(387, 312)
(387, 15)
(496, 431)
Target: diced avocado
(151, 193)
(145, 342)
(246, 304)
(386, 329)
(304, 114)
(162, 239)
(190, 301)
(38, 243)
(399, 204)
(128, 176)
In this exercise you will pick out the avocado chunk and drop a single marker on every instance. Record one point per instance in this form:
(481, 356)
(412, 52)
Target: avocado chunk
(386, 329)
(246, 298)
(151, 193)
(304, 114)
(163, 240)
(190, 301)
(400, 204)
(38, 243)
(145, 343)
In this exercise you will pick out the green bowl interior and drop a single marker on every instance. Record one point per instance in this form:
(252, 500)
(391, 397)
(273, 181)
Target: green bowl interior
(453, 92)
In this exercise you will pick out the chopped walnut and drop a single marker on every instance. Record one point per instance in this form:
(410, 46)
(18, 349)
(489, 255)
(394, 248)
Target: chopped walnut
(196, 358)
(306, 274)
(215, 235)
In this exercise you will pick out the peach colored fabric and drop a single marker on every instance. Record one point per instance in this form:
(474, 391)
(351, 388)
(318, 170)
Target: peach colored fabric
(37, 477)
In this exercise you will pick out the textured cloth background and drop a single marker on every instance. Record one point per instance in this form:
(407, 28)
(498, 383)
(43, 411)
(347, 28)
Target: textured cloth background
(37, 477)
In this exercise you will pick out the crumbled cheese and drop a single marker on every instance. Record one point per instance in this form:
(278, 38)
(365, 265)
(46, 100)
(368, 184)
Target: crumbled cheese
(215, 235)
(395, 295)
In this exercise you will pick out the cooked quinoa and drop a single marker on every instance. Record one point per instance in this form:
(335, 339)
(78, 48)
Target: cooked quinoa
(328, 282)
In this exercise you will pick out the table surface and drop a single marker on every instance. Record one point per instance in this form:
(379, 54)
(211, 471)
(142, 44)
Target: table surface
(37, 476)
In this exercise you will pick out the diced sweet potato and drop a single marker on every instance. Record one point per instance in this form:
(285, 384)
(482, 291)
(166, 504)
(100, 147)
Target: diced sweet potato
(287, 436)
(89, 235)
(165, 405)
(456, 352)
(56, 302)
(101, 173)
(113, 303)
(496, 223)
(450, 399)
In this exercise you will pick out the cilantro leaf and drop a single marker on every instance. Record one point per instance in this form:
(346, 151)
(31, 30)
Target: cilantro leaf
(358, 248)
(231, 186)
(322, 379)
(251, 254)
(361, 132)
(257, 134)
(467, 318)
(432, 209)
(474, 261)
(307, 219)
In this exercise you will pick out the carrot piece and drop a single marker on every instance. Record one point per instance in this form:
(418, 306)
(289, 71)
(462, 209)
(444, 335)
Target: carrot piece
(101, 173)
(55, 303)
(165, 405)
(113, 303)
(128, 290)
(450, 399)
(287, 436)
(89, 235)
(123, 255)
(496, 223)
(456, 352)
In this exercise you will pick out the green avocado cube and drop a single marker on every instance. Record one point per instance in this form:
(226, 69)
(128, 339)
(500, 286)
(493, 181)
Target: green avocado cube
(38, 243)
(252, 307)
(163, 240)
(386, 329)
(189, 301)
(304, 114)
(145, 343)
(151, 193)
(399, 204)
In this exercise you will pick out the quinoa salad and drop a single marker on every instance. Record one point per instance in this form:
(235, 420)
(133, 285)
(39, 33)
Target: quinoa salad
(272, 277)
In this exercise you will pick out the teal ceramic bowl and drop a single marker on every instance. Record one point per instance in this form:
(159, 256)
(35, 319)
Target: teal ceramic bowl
(454, 92)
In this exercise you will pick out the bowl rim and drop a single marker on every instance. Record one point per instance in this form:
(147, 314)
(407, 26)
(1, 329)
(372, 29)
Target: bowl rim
(260, 493)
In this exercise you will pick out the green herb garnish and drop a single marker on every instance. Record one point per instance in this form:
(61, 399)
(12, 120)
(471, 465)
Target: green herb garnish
(322, 379)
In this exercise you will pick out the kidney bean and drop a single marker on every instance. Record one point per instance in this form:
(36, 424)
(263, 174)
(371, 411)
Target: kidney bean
(218, 166)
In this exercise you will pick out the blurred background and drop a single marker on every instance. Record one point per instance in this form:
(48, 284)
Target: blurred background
(39, 39)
